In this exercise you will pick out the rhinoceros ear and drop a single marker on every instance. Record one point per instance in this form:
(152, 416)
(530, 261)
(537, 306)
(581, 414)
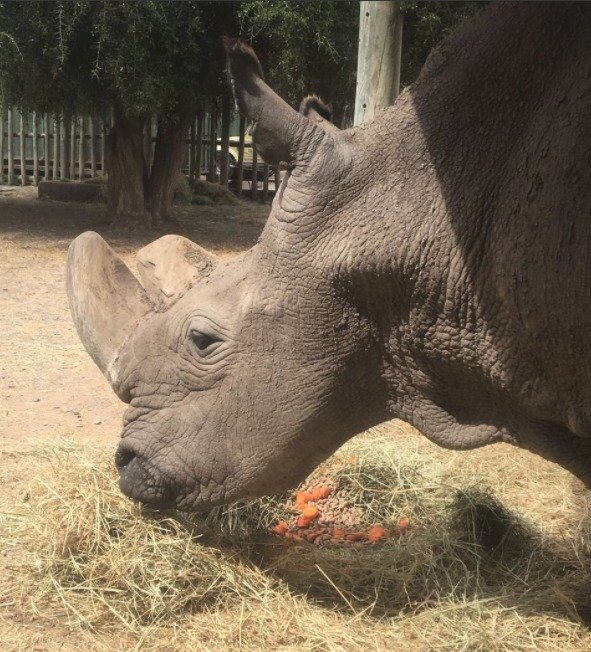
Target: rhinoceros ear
(280, 133)
(106, 301)
(171, 265)
(317, 112)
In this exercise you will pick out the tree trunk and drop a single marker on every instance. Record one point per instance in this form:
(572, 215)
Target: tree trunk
(168, 154)
(125, 162)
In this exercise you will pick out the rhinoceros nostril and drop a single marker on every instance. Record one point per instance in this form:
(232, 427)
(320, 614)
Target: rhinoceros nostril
(123, 457)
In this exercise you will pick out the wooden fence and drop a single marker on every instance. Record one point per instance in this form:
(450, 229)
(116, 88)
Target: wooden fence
(36, 147)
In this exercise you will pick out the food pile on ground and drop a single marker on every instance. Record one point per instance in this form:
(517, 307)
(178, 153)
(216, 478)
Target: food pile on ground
(324, 514)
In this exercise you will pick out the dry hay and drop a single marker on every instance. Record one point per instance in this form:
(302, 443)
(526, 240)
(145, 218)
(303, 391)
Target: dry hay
(472, 574)
(204, 192)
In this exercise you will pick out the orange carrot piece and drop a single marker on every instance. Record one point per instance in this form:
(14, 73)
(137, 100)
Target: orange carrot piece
(280, 528)
(403, 525)
(355, 536)
(310, 512)
(303, 521)
(302, 499)
(321, 492)
(375, 533)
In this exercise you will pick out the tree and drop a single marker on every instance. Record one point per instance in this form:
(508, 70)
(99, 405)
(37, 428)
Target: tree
(137, 58)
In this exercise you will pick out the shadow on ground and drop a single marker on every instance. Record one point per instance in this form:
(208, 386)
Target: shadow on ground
(27, 220)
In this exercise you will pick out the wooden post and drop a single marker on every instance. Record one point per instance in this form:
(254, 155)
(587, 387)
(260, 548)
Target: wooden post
(55, 173)
(81, 148)
(92, 150)
(46, 170)
(22, 153)
(254, 188)
(72, 147)
(277, 174)
(378, 59)
(265, 182)
(63, 149)
(35, 150)
(10, 135)
(225, 144)
(148, 144)
(103, 145)
(199, 148)
(1, 144)
(213, 142)
(192, 151)
(240, 163)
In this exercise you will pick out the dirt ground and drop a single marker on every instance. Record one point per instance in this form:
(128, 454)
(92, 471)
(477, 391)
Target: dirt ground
(48, 385)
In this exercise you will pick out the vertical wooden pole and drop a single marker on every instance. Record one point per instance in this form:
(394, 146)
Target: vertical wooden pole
(192, 152)
(148, 144)
(63, 149)
(378, 58)
(10, 136)
(55, 172)
(266, 181)
(213, 143)
(81, 148)
(254, 188)
(1, 144)
(225, 144)
(240, 162)
(103, 145)
(277, 174)
(22, 153)
(92, 150)
(72, 147)
(35, 150)
(46, 170)
(199, 147)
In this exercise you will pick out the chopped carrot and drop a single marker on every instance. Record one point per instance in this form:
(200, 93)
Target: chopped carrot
(289, 536)
(355, 536)
(303, 521)
(280, 528)
(311, 536)
(338, 533)
(403, 525)
(310, 512)
(321, 492)
(302, 499)
(375, 533)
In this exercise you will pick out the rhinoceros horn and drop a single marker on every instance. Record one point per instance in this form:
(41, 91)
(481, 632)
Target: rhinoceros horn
(170, 266)
(106, 301)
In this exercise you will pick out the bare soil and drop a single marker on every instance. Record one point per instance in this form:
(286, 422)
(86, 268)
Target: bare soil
(49, 387)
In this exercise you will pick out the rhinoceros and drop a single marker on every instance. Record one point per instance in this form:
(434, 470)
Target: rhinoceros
(432, 265)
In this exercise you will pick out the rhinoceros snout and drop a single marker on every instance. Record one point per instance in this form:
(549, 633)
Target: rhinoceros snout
(140, 482)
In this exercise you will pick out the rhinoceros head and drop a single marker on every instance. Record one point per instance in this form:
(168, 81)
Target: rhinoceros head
(240, 376)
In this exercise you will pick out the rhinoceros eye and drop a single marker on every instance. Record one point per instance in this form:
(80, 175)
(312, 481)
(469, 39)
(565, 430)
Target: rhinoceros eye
(203, 341)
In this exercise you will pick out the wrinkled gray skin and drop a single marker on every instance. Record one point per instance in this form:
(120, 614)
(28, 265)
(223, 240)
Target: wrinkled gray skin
(432, 265)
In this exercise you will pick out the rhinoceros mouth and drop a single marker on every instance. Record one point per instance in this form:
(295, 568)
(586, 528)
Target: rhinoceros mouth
(141, 481)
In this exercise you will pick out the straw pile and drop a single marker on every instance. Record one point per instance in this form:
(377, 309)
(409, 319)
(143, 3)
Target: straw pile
(92, 568)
